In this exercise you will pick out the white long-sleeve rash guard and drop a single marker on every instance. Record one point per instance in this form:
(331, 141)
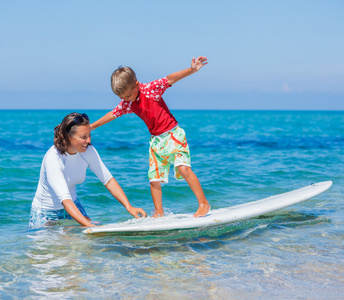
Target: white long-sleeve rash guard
(61, 173)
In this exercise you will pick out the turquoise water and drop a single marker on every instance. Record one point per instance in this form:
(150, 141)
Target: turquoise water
(295, 253)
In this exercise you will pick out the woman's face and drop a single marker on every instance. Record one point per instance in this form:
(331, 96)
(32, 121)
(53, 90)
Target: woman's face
(80, 140)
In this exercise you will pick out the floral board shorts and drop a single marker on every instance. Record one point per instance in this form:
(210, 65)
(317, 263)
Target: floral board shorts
(39, 217)
(164, 149)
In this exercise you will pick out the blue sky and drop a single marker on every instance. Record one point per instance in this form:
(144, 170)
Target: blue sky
(262, 54)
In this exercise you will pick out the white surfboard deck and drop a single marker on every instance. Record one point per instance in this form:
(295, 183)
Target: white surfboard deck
(215, 217)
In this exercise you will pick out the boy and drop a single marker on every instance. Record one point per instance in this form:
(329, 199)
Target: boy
(168, 143)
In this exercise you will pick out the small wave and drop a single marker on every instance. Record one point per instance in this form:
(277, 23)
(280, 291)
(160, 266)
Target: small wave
(6, 145)
(279, 144)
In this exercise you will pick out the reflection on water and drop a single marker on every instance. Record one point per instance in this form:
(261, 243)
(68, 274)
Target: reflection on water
(55, 259)
(66, 263)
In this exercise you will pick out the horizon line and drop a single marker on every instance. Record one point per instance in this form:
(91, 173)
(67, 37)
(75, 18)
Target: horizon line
(176, 109)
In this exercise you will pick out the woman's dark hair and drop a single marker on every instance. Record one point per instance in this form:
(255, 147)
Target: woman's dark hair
(67, 128)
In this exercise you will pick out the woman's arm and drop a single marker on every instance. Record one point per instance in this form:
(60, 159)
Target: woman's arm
(75, 213)
(116, 191)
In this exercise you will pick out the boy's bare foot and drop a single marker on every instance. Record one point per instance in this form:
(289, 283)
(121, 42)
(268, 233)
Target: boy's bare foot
(158, 214)
(202, 210)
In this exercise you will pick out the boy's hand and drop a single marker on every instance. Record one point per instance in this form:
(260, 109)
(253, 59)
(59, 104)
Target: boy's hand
(198, 63)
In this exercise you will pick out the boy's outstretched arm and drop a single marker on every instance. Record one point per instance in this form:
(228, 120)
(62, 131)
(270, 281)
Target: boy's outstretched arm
(196, 64)
(103, 120)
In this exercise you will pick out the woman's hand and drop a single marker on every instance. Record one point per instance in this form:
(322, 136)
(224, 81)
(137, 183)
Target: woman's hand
(116, 191)
(137, 212)
(75, 213)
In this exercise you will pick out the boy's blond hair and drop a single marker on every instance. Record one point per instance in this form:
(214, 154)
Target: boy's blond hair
(123, 79)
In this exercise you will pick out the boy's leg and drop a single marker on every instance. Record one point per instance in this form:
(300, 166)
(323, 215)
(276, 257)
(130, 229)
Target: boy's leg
(195, 186)
(156, 191)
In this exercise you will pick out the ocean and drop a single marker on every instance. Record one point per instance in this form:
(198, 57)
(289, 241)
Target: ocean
(238, 156)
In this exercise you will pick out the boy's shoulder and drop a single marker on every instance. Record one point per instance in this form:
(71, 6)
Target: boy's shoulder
(161, 81)
(154, 86)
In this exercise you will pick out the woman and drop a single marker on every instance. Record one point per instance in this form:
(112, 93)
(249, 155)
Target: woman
(63, 167)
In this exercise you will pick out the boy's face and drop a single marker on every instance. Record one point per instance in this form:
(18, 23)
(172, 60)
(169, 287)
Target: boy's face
(132, 94)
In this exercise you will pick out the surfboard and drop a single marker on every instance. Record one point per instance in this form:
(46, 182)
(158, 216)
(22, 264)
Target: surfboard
(216, 217)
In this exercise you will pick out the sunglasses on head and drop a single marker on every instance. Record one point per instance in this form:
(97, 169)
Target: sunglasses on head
(78, 120)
